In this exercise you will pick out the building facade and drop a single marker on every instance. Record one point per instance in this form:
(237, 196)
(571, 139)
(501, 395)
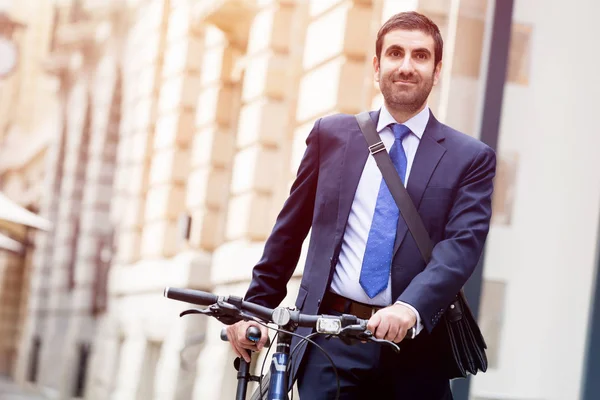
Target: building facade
(160, 138)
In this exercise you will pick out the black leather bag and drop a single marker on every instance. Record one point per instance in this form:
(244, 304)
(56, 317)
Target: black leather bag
(464, 341)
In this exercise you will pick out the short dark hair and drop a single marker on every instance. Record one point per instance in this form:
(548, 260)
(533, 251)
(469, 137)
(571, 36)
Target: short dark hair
(411, 21)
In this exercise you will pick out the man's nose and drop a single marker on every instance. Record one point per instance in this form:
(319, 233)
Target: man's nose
(407, 65)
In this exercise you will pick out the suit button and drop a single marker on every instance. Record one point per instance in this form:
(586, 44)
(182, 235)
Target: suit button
(318, 302)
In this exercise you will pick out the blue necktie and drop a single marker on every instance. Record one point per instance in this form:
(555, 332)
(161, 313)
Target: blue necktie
(377, 261)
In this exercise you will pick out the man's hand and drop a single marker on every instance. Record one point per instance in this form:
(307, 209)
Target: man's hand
(392, 323)
(236, 334)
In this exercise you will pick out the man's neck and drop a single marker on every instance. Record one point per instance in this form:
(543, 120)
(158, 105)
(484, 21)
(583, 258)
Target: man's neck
(403, 115)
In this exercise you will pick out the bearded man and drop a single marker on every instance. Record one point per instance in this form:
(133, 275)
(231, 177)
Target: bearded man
(357, 262)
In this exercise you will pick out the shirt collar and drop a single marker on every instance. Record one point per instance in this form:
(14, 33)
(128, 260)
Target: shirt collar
(416, 124)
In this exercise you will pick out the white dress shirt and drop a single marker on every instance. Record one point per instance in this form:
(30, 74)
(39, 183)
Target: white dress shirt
(347, 271)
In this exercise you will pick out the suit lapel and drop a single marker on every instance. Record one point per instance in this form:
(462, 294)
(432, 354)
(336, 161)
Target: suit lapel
(428, 155)
(355, 157)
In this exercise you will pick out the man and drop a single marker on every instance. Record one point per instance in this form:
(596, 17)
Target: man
(357, 262)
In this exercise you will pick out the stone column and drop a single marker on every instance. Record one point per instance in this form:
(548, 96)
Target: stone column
(176, 367)
(130, 366)
(121, 349)
(95, 227)
(212, 149)
(181, 82)
(169, 155)
(37, 325)
(262, 127)
(142, 64)
(261, 130)
(161, 79)
(41, 269)
(62, 278)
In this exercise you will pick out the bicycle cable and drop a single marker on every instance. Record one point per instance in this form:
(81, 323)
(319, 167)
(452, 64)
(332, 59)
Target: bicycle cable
(296, 348)
(337, 378)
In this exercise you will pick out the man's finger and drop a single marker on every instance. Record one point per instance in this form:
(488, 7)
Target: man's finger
(242, 352)
(264, 331)
(232, 336)
(392, 332)
(237, 350)
(374, 322)
(264, 336)
(245, 355)
(242, 340)
(382, 329)
(400, 335)
(232, 332)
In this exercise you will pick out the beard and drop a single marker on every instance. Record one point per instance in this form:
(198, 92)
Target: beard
(406, 98)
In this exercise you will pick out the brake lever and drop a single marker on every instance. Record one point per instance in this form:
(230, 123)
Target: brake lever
(357, 333)
(354, 334)
(226, 313)
(352, 330)
(383, 341)
(191, 311)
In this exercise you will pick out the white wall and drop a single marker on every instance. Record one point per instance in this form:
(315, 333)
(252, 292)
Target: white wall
(546, 255)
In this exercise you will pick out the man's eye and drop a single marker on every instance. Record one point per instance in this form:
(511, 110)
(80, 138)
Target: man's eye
(395, 54)
(421, 56)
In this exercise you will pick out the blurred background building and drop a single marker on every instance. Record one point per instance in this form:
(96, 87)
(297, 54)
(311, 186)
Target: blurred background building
(157, 140)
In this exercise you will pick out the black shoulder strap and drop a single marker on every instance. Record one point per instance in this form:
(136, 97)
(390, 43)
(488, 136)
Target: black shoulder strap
(392, 179)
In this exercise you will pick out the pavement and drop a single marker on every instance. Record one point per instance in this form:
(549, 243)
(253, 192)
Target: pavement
(11, 391)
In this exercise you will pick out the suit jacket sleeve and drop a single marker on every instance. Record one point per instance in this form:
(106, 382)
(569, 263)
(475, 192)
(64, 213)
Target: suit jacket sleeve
(455, 257)
(282, 249)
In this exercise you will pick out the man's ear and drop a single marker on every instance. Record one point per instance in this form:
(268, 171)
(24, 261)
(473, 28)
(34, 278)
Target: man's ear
(436, 73)
(376, 68)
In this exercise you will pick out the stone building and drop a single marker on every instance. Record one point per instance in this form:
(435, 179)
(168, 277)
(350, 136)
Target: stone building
(26, 114)
(160, 139)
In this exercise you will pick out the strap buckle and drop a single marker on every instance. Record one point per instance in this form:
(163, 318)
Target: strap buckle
(376, 148)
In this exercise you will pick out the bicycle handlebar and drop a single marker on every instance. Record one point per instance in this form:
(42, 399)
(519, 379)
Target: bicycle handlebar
(201, 298)
(280, 316)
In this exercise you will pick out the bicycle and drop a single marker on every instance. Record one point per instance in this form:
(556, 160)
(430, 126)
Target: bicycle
(231, 309)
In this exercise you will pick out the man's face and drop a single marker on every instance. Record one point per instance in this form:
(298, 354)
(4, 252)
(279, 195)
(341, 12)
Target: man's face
(405, 71)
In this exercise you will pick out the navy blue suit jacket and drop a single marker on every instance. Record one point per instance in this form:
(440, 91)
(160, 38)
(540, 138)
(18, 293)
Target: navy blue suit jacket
(451, 183)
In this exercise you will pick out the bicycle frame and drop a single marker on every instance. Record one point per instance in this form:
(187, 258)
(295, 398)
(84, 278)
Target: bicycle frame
(279, 367)
(278, 377)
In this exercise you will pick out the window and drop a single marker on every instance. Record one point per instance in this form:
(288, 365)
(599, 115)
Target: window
(34, 359)
(82, 364)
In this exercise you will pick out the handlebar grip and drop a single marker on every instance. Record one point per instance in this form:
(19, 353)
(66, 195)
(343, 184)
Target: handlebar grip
(191, 296)
(410, 334)
(253, 334)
